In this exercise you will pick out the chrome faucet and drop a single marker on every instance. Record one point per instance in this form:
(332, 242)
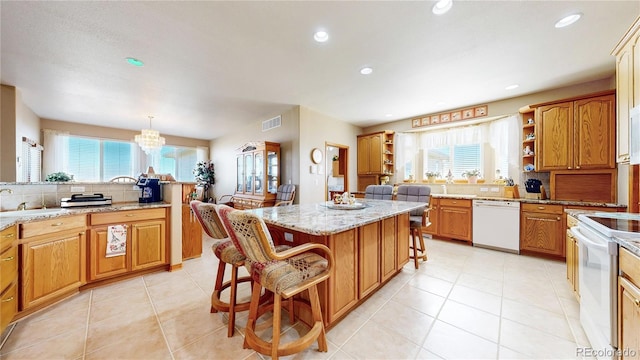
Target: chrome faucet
(444, 188)
(7, 190)
(22, 206)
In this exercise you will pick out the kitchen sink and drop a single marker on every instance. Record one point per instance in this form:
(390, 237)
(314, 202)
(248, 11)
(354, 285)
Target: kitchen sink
(32, 212)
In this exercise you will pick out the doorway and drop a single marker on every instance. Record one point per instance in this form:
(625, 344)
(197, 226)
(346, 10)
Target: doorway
(336, 169)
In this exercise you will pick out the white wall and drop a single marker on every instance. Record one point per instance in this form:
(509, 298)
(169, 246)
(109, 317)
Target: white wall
(315, 130)
(27, 125)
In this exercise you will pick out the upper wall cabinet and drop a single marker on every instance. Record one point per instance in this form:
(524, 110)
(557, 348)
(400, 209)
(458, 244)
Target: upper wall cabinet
(576, 133)
(627, 54)
(375, 157)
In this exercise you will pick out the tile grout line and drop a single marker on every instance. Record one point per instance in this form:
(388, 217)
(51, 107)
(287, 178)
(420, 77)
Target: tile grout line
(86, 330)
(155, 313)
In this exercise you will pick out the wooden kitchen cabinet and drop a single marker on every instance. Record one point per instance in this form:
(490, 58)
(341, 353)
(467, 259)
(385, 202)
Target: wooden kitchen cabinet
(576, 134)
(455, 218)
(146, 242)
(627, 53)
(528, 139)
(368, 258)
(572, 255)
(433, 217)
(8, 276)
(191, 234)
(402, 240)
(542, 230)
(629, 305)
(53, 259)
(375, 157)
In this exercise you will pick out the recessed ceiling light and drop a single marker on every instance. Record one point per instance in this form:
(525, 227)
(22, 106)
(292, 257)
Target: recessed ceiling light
(321, 36)
(568, 20)
(366, 70)
(134, 61)
(511, 87)
(442, 6)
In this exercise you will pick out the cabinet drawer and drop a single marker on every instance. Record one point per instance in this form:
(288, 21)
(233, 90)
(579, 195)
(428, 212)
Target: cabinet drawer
(551, 209)
(571, 221)
(8, 306)
(127, 216)
(7, 237)
(630, 265)
(455, 202)
(52, 226)
(8, 267)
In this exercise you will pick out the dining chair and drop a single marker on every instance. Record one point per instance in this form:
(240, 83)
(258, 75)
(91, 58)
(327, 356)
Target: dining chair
(285, 274)
(417, 218)
(226, 252)
(285, 195)
(378, 192)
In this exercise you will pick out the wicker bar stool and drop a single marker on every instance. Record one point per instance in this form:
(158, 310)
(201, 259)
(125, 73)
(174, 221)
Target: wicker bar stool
(285, 274)
(226, 253)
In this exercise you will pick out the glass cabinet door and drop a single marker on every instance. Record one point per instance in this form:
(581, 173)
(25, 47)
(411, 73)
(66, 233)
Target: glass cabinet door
(272, 172)
(239, 173)
(259, 171)
(248, 173)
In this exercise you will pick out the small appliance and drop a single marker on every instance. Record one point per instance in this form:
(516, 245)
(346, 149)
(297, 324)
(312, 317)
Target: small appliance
(150, 190)
(79, 200)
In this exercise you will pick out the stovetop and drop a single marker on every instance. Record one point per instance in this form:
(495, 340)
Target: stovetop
(614, 224)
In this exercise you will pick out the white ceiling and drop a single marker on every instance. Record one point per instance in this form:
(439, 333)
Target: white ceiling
(210, 66)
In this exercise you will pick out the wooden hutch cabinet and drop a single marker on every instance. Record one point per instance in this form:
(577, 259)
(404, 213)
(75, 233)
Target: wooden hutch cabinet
(375, 158)
(257, 175)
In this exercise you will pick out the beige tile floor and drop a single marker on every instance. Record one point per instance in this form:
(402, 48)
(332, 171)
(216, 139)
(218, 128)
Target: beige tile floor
(465, 302)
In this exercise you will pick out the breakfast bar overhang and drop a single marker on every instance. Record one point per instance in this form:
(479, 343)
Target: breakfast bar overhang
(370, 245)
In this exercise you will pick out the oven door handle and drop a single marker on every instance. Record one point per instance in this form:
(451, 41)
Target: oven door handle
(583, 239)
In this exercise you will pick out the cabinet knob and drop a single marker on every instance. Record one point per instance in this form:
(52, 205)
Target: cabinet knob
(558, 218)
(637, 301)
(8, 259)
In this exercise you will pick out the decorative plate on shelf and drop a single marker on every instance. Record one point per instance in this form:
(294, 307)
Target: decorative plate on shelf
(355, 206)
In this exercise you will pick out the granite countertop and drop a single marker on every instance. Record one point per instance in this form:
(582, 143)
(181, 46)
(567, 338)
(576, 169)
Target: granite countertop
(320, 219)
(531, 201)
(10, 218)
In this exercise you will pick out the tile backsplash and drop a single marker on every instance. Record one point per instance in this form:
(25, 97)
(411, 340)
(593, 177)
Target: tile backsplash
(49, 195)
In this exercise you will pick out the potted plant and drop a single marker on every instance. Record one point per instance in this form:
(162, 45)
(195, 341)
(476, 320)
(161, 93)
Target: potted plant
(60, 176)
(205, 175)
(431, 176)
(472, 175)
(335, 165)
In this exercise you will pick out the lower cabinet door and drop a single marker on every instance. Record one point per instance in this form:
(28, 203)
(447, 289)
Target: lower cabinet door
(368, 258)
(101, 266)
(52, 267)
(148, 244)
(388, 247)
(8, 306)
(402, 238)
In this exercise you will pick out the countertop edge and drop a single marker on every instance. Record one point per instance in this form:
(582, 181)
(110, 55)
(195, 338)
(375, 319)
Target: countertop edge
(8, 222)
(532, 201)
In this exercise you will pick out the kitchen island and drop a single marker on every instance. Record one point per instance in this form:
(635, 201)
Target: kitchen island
(369, 245)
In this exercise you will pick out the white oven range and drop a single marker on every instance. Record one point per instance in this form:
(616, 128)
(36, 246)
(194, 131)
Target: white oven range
(598, 274)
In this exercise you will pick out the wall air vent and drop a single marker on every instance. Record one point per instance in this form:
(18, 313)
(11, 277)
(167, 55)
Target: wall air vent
(272, 123)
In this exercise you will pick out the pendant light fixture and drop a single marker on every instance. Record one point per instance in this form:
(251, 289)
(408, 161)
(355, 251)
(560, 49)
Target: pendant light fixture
(149, 140)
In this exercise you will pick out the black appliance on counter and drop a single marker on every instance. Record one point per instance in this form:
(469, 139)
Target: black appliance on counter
(150, 190)
(81, 200)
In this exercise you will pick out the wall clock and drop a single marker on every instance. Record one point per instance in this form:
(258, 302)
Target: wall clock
(316, 156)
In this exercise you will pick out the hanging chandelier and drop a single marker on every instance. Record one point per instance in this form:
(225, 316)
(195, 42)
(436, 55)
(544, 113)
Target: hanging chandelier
(149, 139)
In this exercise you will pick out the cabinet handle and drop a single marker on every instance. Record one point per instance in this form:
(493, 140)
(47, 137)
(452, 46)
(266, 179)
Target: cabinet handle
(7, 300)
(8, 259)
(558, 218)
(577, 167)
(637, 301)
(81, 233)
(569, 167)
(129, 215)
(57, 224)
(540, 207)
(8, 236)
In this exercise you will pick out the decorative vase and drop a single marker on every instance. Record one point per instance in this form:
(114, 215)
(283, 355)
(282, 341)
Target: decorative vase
(431, 179)
(473, 179)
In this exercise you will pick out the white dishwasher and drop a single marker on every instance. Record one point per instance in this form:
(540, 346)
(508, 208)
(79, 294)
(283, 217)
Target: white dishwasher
(496, 225)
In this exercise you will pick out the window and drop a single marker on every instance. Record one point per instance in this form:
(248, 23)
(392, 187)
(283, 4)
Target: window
(92, 159)
(457, 158)
(31, 161)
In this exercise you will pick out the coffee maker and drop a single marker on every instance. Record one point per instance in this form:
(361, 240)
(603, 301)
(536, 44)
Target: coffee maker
(150, 190)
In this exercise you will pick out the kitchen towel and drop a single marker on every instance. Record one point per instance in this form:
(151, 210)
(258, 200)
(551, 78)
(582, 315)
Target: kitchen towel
(116, 240)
